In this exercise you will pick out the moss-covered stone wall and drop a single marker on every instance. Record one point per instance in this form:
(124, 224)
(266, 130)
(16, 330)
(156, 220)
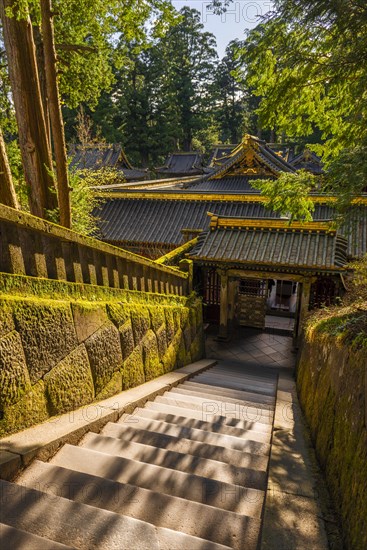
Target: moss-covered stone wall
(331, 382)
(60, 354)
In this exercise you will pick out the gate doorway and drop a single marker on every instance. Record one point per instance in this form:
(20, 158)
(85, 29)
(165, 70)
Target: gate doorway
(253, 295)
(211, 295)
(267, 303)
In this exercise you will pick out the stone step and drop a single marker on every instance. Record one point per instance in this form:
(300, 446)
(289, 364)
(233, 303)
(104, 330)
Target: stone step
(250, 414)
(241, 371)
(217, 390)
(216, 426)
(229, 456)
(255, 386)
(259, 404)
(86, 527)
(232, 418)
(202, 436)
(191, 518)
(163, 480)
(205, 436)
(247, 368)
(222, 381)
(16, 539)
(245, 477)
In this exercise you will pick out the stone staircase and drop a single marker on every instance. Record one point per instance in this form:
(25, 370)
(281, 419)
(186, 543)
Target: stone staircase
(187, 471)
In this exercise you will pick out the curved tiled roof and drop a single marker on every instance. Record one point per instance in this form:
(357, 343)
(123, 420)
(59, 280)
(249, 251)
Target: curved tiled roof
(228, 184)
(264, 243)
(160, 221)
(95, 157)
(155, 220)
(182, 163)
(307, 160)
(252, 154)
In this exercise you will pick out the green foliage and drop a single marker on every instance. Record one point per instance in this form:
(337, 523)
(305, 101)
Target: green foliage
(164, 97)
(16, 167)
(86, 34)
(290, 194)
(347, 176)
(359, 281)
(347, 321)
(304, 64)
(233, 115)
(83, 200)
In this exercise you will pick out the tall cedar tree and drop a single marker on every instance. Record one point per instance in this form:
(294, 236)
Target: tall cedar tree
(7, 191)
(33, 138)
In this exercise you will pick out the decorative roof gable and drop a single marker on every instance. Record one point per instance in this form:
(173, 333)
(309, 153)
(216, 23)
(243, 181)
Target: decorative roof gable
(307, 160)
(252, 157)
(181, 164)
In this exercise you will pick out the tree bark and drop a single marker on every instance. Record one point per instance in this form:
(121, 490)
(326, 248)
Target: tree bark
(40, 58)
(33, 142)
(7, 191)
(57, 126)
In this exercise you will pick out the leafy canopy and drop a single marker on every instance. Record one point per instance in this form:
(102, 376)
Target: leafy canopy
(304, 62)
(290, 195)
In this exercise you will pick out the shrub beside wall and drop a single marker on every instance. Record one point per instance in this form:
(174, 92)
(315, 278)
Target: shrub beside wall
(332, 382)
(57, 355)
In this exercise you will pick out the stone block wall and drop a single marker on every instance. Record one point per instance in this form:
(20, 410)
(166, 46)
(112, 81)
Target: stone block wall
(58, 355)
(332, 386)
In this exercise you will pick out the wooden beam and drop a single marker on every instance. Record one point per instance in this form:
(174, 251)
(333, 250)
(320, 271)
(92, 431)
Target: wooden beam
(244, 274)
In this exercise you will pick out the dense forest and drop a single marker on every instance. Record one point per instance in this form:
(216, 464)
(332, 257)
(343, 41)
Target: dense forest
(172, 93)
(147, 76)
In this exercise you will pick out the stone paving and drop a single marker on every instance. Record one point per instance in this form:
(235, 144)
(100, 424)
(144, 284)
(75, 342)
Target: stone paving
(251, 346)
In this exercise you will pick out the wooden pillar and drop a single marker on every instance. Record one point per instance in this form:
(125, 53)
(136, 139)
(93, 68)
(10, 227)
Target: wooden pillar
(232, 301)
(305, 302)
(223, 326)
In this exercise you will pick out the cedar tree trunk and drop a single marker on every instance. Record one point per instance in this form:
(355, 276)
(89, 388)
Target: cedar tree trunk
(57, 126)
(7, 191)
(33, 141)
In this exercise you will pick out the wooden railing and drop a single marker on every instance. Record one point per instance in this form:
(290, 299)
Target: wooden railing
(35, 247)
(174, 257)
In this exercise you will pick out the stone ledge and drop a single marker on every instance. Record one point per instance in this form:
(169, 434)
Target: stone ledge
(43, 440)
(10, 464)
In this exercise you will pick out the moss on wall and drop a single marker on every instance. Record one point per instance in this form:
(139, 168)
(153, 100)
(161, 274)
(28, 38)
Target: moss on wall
(331, 382)
(140, 319)
(14, 377)
(170, 324)
(119, 313)
(113, 387)
(57, 355)
(151, 360)
(175, 354)
(88, 318)
(104, 353)
(31, 409)
(133, 370)
(25, 286)
(47, 332)
(126, 339)
(6, 318)
(69, 384)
